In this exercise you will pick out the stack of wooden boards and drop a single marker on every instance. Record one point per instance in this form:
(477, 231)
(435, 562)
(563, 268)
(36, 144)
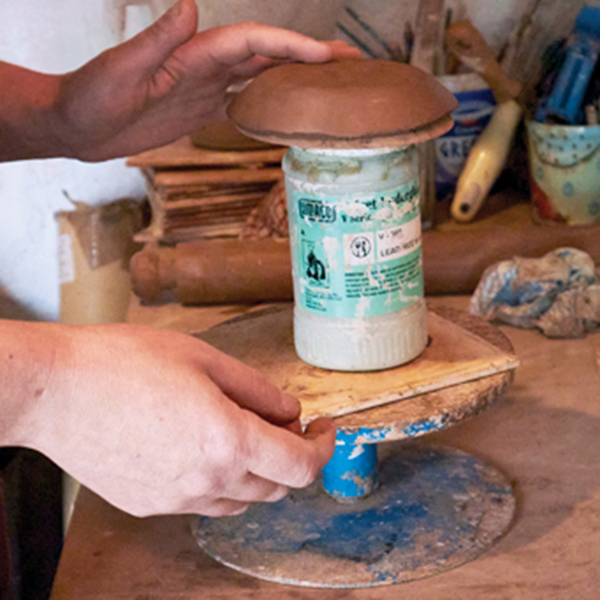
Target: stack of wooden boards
(197, 193)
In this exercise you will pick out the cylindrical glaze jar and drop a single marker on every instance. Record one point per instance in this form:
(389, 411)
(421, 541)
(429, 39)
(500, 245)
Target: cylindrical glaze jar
(355, 232)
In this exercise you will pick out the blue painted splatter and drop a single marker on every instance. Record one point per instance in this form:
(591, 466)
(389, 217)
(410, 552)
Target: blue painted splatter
(417, 429)
(424, 498)
(364, 435)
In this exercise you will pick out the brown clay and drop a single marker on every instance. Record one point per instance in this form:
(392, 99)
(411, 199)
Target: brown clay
(341, 104)
(222, 135)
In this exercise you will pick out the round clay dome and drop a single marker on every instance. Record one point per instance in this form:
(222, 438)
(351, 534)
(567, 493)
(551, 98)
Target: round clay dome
(350, 103)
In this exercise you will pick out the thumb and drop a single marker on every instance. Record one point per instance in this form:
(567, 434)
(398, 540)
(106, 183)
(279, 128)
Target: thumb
(154, 45)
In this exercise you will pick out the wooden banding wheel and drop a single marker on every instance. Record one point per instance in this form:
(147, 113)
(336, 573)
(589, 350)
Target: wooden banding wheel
(418, 513)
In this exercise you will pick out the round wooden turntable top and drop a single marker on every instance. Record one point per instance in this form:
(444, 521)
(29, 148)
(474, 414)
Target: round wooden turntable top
(467, 365)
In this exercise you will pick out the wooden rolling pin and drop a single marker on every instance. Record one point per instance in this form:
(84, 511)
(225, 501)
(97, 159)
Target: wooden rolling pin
(245, 271)
(456, 255)
(221, 271)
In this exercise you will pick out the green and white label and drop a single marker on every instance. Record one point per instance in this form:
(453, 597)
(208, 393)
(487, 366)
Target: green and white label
(359, 256)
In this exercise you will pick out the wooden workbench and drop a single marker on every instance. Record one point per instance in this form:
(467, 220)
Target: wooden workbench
(544, 434)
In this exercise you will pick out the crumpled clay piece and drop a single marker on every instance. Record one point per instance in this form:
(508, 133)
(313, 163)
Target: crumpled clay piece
(573, 313)
(558, 294)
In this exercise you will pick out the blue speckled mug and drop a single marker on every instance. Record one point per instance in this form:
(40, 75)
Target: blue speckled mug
(565, 172)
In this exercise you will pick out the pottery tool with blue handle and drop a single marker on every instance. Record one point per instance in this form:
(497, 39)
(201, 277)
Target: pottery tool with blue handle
(564, 104)
(382, 513)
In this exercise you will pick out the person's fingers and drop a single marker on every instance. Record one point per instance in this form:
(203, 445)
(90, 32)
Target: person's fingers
(252, 67)
(289, 459)
(319, 427)
(219, 508)
(294, 427)
(247, 489)
(279, 44)
(252, 488)
(232, 45)
(255, 65)
(250, 389)
(149, 50)
(340, 49)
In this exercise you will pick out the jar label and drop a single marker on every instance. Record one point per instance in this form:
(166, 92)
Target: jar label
(475, 108)
(359, 256)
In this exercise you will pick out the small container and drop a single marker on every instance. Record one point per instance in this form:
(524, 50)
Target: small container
(355, 232)
(564, 162)
(476, 104)
(95, 245)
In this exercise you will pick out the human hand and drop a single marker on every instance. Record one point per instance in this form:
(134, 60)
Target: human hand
(158, 422)
(168, 81)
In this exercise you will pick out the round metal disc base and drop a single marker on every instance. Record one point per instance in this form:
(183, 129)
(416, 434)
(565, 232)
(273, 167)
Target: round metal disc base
(434, 509)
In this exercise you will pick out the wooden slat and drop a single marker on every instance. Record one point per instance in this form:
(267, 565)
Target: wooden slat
(191, 234)
(172, 225)
(213, 202)
(182, 224)
(188, 217)
(217, 176)
(175, 194)
(184, 154)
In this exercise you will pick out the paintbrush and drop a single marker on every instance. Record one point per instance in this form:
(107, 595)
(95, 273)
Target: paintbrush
(489, 153)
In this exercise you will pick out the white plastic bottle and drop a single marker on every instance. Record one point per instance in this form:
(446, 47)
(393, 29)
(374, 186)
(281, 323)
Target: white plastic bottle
(355, 232)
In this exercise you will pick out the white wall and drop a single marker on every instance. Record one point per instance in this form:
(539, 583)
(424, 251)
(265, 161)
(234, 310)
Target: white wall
(51, 36)
(59, 35)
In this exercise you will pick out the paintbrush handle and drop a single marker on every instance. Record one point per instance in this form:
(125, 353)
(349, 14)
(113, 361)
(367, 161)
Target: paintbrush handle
(485, 162)
(465, 42)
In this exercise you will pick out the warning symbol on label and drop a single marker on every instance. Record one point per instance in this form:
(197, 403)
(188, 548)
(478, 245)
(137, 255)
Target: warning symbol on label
(358, 248)
(315, 268)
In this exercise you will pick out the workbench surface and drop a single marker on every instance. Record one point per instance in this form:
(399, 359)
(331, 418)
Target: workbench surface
(544, 435)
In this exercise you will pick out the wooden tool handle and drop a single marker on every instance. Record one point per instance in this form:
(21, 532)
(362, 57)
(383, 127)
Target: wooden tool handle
(224, 271)
(485, 162)
(466, 43)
